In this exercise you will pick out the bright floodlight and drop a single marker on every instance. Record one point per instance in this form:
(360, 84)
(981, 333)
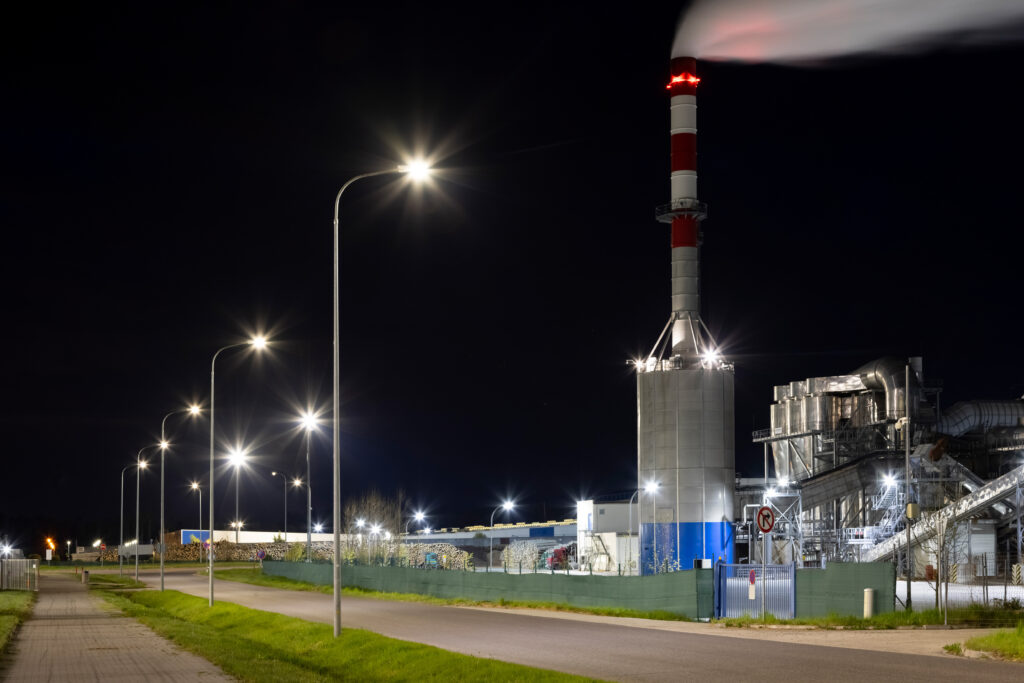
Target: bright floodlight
(419, 516)
(318, 528)
(783, 482)
(375, 529)
(164, 445)
(427, 530)
(236, 458)
(296, 482)
(308, 421)
(651, 487)
(508, 505)
(417, 169)
(6, 549)
(889, 480)
(96, 543)
(258, 342)
(193, 409)
(195, 486)
(360, 523)
(142, 464)
(770, 493)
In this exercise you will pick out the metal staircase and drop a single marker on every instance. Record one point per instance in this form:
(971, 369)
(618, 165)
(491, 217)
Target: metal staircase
(981, 498)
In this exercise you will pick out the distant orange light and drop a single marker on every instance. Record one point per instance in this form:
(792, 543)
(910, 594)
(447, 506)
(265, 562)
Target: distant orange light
(683, 78)
(50, 543)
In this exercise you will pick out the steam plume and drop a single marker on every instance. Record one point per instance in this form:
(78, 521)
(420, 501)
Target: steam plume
(806, 31)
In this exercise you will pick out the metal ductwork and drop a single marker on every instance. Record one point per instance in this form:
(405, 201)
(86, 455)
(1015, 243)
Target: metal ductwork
(967, 416)
(889, 375)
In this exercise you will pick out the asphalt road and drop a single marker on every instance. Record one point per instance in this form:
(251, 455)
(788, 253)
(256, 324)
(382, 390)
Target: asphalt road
(608, 650)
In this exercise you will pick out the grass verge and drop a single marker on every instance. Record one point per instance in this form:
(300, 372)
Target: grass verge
(954, 649)
(258, 578)
(1007, 644)
(974, 615)
(262, 646)
(15, 607)
(106, 581)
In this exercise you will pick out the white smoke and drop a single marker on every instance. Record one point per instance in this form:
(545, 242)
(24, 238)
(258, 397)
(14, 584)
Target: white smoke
(806, 31)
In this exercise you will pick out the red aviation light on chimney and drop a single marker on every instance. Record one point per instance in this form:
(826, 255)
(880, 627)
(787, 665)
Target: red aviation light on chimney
(687, 78)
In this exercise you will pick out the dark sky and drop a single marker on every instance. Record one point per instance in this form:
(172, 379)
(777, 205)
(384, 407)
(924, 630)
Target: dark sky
(168, 178)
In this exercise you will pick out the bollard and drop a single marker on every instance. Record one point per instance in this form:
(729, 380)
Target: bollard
(869, 603)
(85, 576)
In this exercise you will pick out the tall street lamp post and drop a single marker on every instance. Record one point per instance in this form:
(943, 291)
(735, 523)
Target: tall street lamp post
(138, 471)
(257, 343)
(195, 487)
(417, 170)
(506, 506)
(650, 487)
(284, 481)
(236, 459)
(309, 422)
(192, 410)
(417, 517)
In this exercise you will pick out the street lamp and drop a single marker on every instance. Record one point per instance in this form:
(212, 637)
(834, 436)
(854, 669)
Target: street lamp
(416, 169)
(309, 422)
(257, 343)
(195, 487)
(138, 463)
(236, 458)
(192, 410)
(67, 555)
(138, 480)
(651, 488)
(284, 481)
(417, 517)
(507, 507)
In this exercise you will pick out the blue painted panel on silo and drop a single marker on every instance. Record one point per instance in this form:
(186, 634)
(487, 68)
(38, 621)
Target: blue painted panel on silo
(687, 535)
(542, 531)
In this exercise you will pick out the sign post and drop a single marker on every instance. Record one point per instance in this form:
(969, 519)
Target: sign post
(765, 522)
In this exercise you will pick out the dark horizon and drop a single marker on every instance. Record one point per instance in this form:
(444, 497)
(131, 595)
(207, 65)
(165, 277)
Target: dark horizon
(168, 189)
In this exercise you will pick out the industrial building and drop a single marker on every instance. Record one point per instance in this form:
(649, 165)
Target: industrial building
(857, 466)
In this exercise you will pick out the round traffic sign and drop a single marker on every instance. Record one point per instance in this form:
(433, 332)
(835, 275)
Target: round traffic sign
(765, 519)
(262, 554)
(753, 577)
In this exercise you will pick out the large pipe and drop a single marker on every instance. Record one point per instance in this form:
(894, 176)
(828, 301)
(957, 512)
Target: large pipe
(887, 374)
(967, 416)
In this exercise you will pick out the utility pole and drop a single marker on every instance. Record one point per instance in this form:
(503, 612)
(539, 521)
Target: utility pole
(909, 510)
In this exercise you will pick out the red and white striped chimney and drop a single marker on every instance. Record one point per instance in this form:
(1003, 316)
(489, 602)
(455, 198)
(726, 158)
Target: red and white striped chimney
(685, 211)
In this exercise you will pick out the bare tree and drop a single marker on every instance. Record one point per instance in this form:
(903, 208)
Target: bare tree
(374, 508)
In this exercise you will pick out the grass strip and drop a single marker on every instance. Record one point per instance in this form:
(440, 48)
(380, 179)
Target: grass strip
(258, 578)
(1007, 644)
(253, 645)
(106, 581)
(974, 615)
(15, 607)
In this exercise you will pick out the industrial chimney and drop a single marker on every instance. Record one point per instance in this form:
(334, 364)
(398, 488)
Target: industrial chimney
(685, 439)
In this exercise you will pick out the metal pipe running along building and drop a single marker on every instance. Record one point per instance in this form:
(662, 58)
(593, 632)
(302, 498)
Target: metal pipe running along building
(685, 404)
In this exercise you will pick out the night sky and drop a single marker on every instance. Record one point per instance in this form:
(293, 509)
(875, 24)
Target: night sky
(168, 180)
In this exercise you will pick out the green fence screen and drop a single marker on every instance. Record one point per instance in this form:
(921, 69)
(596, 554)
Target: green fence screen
(686, 593)
(839, 589)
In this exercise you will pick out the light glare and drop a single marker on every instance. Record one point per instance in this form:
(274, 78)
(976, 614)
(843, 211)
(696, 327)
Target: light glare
(417, 169)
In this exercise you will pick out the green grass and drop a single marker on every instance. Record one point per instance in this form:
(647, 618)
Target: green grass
(259, 579)
(262, 646)
(103, 581)
(974, 615)
(954, 649)
(143, 565)
(1008, 644)
(15, 607)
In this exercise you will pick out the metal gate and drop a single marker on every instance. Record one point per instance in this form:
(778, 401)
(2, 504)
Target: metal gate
(774, 590)
(19, 575)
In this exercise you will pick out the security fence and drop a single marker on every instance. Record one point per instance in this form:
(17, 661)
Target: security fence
(19, 575)
(755, 590)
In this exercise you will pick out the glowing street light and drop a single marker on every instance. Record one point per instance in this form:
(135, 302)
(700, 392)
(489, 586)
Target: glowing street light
(138, 472)
(507, 507)
(236, 458)
(416, 170)
(417, 517)
(309, 422)
(192, 411)
(318, 527)
(650, 488)
(257, 343)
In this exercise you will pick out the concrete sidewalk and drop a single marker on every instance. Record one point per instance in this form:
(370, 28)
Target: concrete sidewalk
(75, 636)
